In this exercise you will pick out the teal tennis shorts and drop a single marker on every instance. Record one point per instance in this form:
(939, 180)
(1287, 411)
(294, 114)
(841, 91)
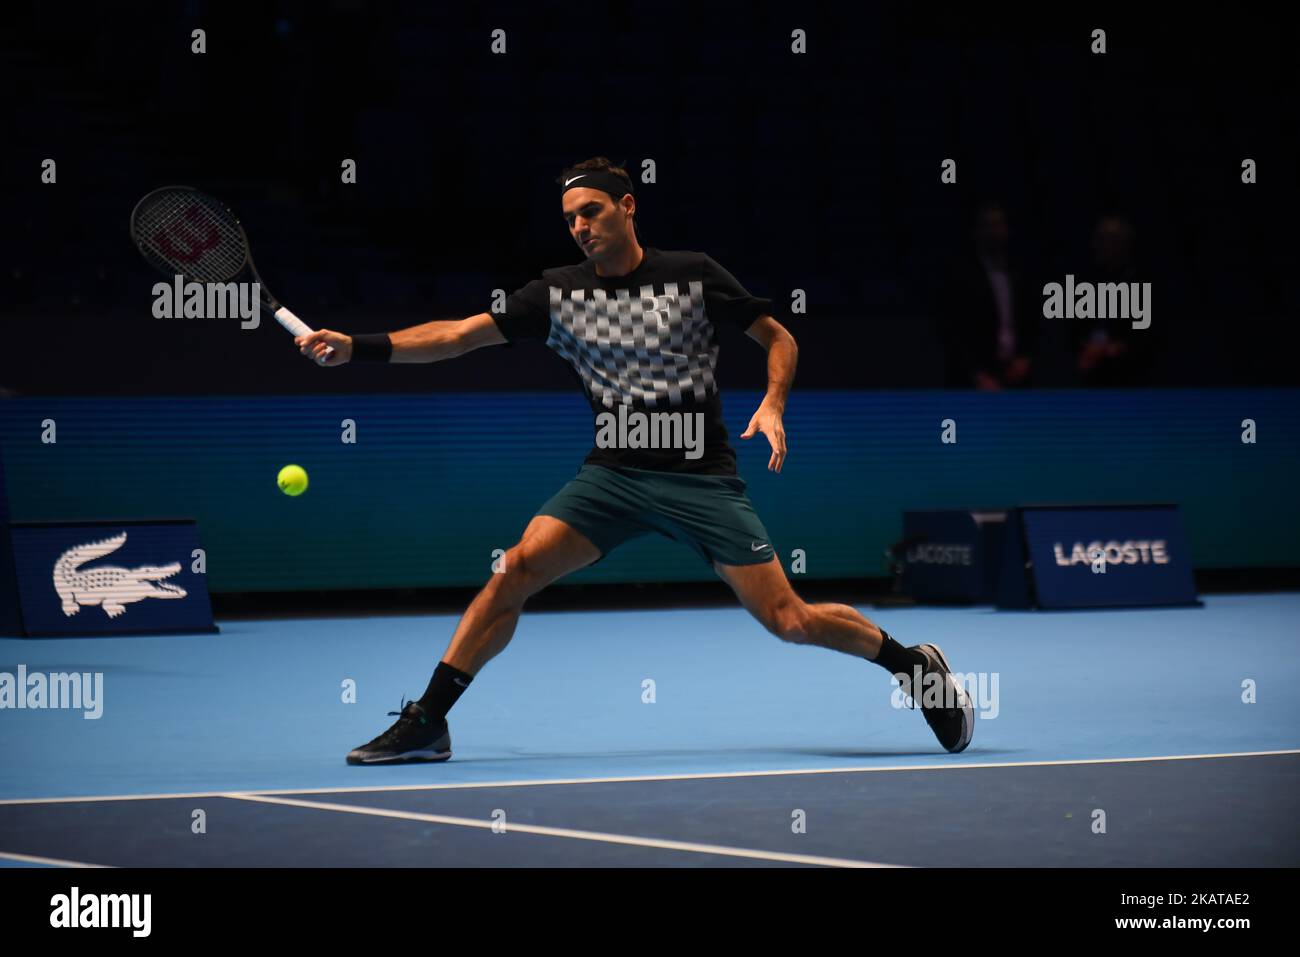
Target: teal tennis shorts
(710, 514)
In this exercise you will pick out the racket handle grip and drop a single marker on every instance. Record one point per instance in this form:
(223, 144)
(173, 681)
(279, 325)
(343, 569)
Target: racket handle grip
(295, 325)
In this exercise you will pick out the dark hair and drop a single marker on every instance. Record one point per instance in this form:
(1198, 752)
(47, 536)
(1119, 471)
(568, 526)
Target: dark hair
(604, 165)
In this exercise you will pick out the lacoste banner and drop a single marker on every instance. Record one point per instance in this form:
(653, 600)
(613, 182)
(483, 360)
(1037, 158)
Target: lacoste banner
(951, 555)
(1096, 557)
(109, 578)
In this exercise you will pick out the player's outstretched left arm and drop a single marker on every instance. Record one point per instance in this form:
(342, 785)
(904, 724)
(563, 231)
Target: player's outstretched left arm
(782, 357)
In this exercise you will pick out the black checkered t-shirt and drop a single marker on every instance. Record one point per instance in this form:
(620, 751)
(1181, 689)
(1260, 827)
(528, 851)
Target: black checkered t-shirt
(645, 340)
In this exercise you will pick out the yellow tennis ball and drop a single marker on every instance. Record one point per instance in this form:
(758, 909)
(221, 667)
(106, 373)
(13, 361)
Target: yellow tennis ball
(292, 480)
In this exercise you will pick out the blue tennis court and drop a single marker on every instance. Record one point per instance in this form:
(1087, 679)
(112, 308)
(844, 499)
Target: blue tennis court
(671, 738)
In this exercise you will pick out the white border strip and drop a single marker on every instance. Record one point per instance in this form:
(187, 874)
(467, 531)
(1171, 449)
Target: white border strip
(637, 778)
(658, 843)
(51, 861)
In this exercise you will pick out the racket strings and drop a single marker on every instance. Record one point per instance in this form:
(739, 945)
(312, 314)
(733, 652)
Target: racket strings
(186, 233)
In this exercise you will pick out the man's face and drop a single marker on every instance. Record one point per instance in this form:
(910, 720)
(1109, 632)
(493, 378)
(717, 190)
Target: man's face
(597, 224)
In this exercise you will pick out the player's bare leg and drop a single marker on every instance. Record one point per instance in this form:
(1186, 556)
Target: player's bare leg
(765, 592)
(548, 550)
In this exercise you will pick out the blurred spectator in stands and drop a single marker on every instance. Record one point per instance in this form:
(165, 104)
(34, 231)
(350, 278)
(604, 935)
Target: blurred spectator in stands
(1110, 352)
(988, 320)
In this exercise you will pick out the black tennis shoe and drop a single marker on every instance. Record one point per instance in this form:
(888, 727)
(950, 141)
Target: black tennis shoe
(413, 737)
(944, 702)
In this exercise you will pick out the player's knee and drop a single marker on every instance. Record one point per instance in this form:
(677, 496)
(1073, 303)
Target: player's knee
(516, 579)
(790, 621)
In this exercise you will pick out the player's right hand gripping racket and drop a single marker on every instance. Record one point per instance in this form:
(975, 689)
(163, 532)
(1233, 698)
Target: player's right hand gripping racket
(182, 231)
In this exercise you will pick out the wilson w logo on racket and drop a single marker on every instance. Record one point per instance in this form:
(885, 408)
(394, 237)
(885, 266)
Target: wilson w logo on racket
(182, 231)
(187, 239)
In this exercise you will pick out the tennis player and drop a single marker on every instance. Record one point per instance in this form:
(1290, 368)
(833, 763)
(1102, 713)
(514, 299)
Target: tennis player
(636, 324)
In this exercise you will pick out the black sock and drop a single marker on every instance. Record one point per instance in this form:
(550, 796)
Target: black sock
(445, 688)
(896, 659)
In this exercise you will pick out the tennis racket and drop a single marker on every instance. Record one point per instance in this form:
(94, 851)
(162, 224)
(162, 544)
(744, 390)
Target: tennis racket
(182, 231)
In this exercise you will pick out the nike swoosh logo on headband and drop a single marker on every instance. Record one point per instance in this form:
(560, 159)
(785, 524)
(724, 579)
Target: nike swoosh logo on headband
(568, 181)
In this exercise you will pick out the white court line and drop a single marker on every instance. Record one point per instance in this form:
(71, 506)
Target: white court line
(52, 861)
(598, 836)
(452, 786)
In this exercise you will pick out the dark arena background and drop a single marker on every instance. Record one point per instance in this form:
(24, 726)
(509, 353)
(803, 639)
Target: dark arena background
(1040, 267)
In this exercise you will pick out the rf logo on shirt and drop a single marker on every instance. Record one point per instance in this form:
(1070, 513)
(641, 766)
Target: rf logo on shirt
(658, 310)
